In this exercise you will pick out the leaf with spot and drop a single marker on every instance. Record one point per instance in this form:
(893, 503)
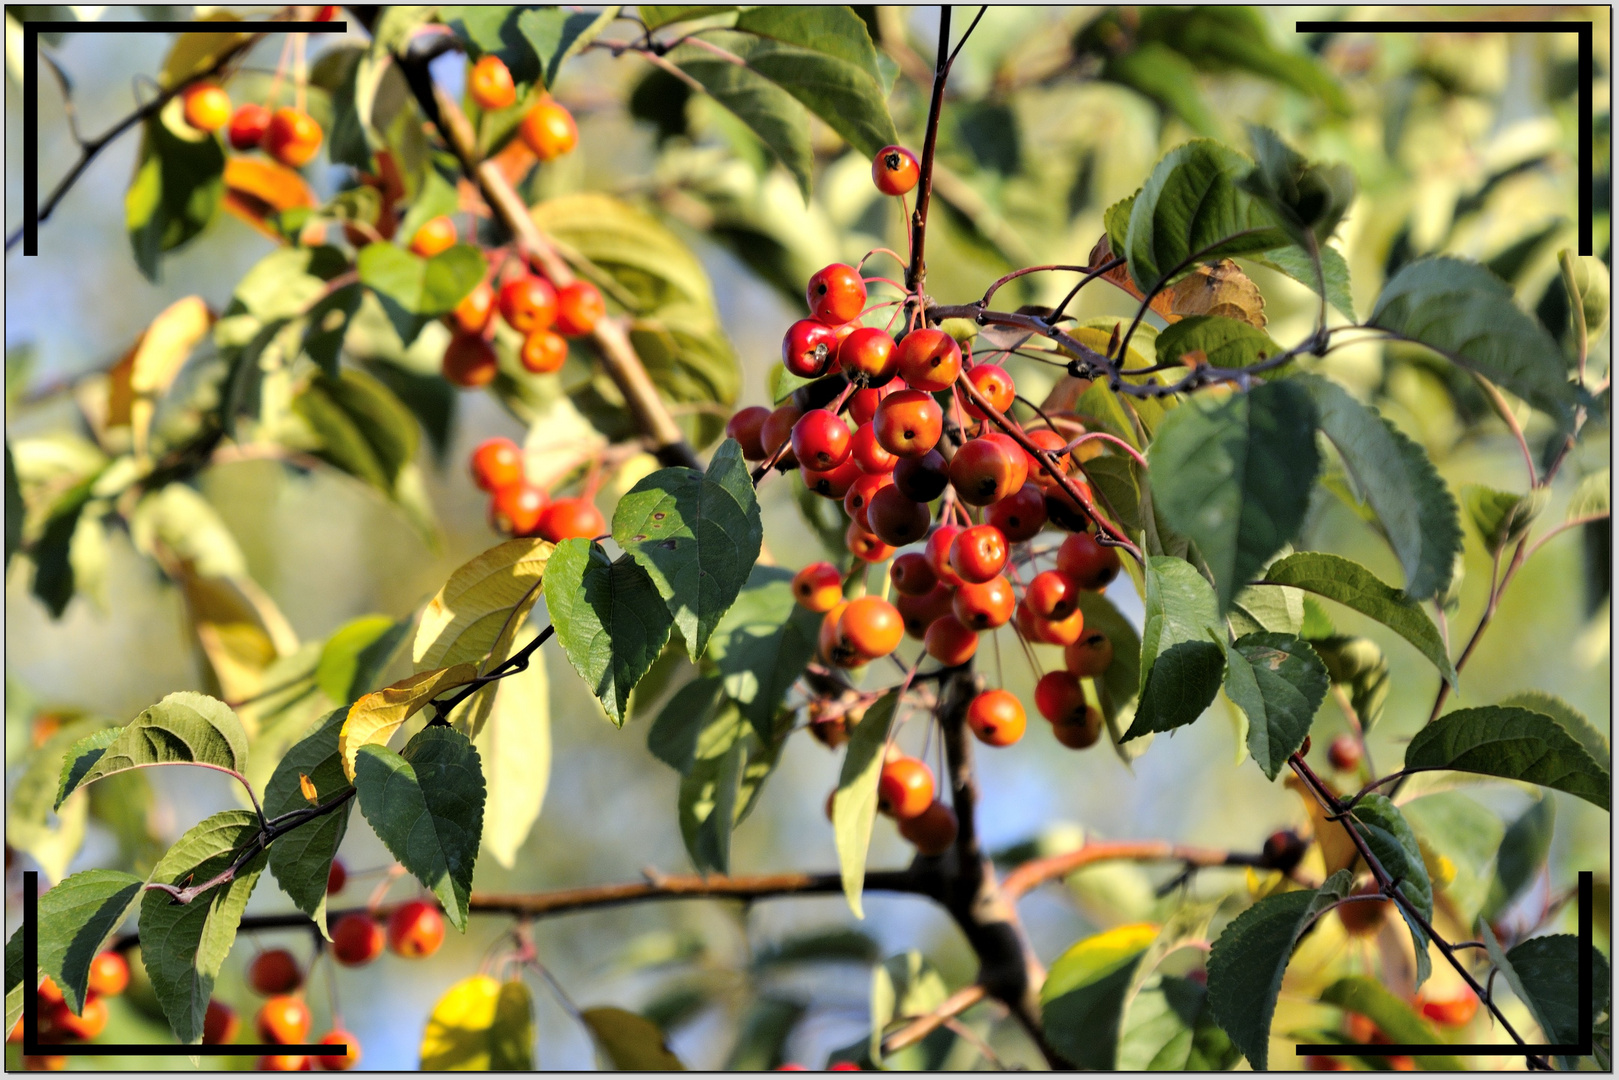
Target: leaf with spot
(609, 616)
(1279, 682)
(426, 805)
(301, 860)
(1393, 473)
(854, 804)
(697, 535)
(184, 945)
(1358, 589)
(184, 728)
(1250, 957)
(1514, 744)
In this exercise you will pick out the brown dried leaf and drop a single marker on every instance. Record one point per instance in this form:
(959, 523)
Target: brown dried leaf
(1222, 289)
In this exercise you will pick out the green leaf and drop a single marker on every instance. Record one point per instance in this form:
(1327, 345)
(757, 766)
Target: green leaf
(1358, 589)
(847, 97)
(1394, 474)
(660, 15)
(14, 508)
(1119, 685)
(54, 572)
(52, 840)
(1179, 606)
(184, 945)
(1308, 199)
(1512, 743)
(75, 919)
(426, 805)
(1169, 1028)
(426, 287)
(1466, 313)
(515, 747)
(836, 944)
(1083, 999)
(360, 427)
(834, 30)
(762, 644)
(1255, 610)
(609, 616)
(329, 324)
(1568, 718)
(770, 112)
(761, 1041)
(1502, 518)
(1591, 497)
(176, 189)
(1393, 1017)
(697, 535)
(854, 804)
(555, 34)
(1250, 956)
(301, 860)
(1168, 78)
(1222, 39)
(1359, 664)
(14, 979)
(481, 1025)
(673, 736)
(1279, 682)
(1235, 477)
(1394, 845)
(1228, 343)
(1297, 264)
(902, 987)
(728, 768)
(1180, 686)
(1540, 971)
(653, 269)
(630, 1043)
(1190, 210)
(184, 728)
(354, 657)
(1521, 856)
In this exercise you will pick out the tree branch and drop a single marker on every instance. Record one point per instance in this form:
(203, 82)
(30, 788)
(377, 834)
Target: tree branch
(916, 272)
(1039, 871)
(618, 356)
(923, 1026)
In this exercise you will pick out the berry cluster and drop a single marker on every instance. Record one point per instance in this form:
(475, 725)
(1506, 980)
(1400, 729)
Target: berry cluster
(519, 507)
(290, 136)
(912, 436)
(109, 976)
(542, 313)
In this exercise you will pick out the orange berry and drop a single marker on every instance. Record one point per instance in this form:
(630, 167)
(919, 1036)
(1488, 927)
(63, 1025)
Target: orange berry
(996, 717)
(1362, 918)
(496, 463)
(292, 138)
(1090, 656)
(283, 1063)
(818, 587)
(905, 788)
(1452, 1013)
(933, 831)
(528, 304)
(470, 361)
(871, 626)
(87, 1025)
(543, 352)
(984, 605)
(490, 84)
(928, 360)
(548, 130)
(865, 545)
(996, 386)
(283, 1019)
(349, 1057)
(1088, 562)
(579, 308)
(207, 106)
(895, 170)
(568, 519)
(836, 294)
(1052, 595)
(48, 993)
(471, 315)
(949, 642)
(978, 553)
(109, 974)
(517, 509)
(435, 236)
(415, 930)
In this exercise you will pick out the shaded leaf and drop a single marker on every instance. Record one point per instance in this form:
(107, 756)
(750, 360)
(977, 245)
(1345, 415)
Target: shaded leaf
(1394, 475)
(1297, 264)
(1235, 477)
(1279, 682)
(184, 728)
(1502, 518)
(1521, 856)
(630, 1043)
(1393, 1017)
(854, 804)
(555, 34)
(1463, 834)
(1394, 845)
(426, 805)
(1541, 972)
(1250, 957)
(1466, 313)
(1083, 999)
(729, 765)
(770, 112)
(76, 917)
(1357, 588)
(183, 946)
(1179, 606)
(609, 617)
(679, 724)
(359, 426)
(1180, 686)
(354, 656)
(301, 859)
(1514, 744)
(762, 644)
(1224, 342)
(1568, 718)
(1169, 1027)
(176, 189)
(481, 1025)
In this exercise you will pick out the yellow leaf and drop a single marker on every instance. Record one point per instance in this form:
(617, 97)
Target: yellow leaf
(515, 745)
(1338, 851)
(307, 786)
(196, 51)
(480, 608)
(255, 189)
(480, 1025)
(632, 1043)
(238, 627)
(376, 716)
(1222, 289)
(166, 344)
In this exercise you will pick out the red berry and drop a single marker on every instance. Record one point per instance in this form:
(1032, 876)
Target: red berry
(90, 1022)
(1052, 595)
(984, 471)
(579, 308)
(909, 423)
(949, 642)
(869, 454)
(984, 605)
(528, 303)
(809, 348)
(938, 553)
(928, 360)
(857, 501)
(865, 545)
(978, 553)
(747, 428)
(920, 612)
(933, 831)
(1344, 753)
(1059, 697)
(869, 352)
(1087, 561)
(469, 361)
(568, 519)
(415, 930)
(905, 788)
(1046, 439)
(863, 403)
(336, 877)
(836, 294)
(357, 939)
(516, 509)
(833, 483)
(894, 170)
(292, 137)
(1090, 656)
(911, 574)
(1064, 631)
(219, 1024)
(1021, 515)
(777, 431)
(994, 384)
(922, 478)
(896, 519)
(1079, 732)
(818, 587)
(820, 440)
(247, 126)
(496, 463)
(996, 717)
(274, 971)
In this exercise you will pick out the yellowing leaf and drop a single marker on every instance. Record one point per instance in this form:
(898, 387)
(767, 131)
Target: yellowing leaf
(307, 786)
(1222, 289)
(515, 745)
(375, 717)
(480, 608)
(195, 52)
(255, 189)
(238, 628)
(480, 1025)
(1338, 851)
(167, 343)
(632, 1043)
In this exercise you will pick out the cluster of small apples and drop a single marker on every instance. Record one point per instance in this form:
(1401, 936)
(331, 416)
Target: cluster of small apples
(542, 313)
(109, 976)
(290, 136)
(970, 505)
(1450, 1012)
(520, 507)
